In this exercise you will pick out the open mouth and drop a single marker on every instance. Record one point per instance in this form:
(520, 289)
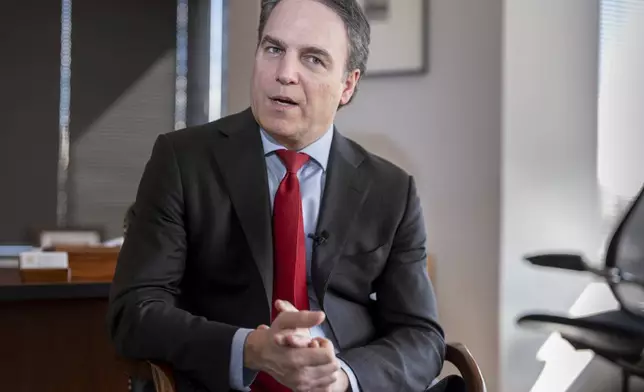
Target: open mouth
(286, 101)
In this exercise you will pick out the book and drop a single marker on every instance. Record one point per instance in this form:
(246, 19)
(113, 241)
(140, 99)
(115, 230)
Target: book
(10, 255)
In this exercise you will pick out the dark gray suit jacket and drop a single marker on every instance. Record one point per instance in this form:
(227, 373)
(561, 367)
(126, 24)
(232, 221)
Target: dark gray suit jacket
(197, 261)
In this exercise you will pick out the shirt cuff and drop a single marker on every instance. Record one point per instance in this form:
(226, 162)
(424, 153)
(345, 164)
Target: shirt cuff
(353, 381)
(240, 377)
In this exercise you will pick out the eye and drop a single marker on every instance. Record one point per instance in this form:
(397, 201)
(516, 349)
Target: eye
(314, 60)
(273, 50)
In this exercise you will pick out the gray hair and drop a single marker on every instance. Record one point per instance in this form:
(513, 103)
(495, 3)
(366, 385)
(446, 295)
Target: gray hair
(357, 25)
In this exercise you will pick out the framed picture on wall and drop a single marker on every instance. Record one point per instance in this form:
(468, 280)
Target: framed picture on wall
(399, 36)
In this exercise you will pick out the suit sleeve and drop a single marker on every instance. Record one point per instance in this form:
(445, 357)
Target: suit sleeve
(145, 321)
(411, 350)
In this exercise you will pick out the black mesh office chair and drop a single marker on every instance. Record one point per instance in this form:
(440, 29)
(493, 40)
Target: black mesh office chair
(617, 336)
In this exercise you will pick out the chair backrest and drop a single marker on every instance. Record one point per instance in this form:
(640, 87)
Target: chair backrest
(626, 252)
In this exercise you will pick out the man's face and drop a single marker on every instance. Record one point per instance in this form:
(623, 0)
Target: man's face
(299, 77)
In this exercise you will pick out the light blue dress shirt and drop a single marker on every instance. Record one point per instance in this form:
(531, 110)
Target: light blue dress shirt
(312, 178)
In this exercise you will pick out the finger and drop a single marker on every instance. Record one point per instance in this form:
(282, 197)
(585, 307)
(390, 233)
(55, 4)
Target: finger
(323, 376)
(320, 378)
(298, 341)
(263, 326)
(322, 342)
(311, 357)
(327, 388)
(324, 384)
(292, 340)
(319, 342)
(302, 319)
(285, 306)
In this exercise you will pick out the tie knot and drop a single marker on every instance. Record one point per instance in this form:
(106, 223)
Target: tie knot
(292, 160)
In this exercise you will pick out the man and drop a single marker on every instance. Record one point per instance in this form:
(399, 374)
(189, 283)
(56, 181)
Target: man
(258, 242)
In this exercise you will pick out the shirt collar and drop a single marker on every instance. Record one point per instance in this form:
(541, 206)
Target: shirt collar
(318, 150)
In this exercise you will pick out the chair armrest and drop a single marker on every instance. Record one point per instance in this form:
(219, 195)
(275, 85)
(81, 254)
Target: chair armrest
(463, 360)
(160, 374)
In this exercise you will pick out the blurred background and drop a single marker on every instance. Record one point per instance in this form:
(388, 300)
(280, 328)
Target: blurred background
(521, 121)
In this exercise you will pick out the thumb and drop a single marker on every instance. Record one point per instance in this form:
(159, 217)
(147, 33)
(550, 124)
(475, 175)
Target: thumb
(302, 319)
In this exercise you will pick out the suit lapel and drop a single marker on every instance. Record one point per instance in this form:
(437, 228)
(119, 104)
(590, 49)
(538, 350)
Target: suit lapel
(345, 189)
(241, 160)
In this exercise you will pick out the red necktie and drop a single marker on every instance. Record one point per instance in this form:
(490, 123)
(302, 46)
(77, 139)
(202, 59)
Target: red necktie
(289, 244)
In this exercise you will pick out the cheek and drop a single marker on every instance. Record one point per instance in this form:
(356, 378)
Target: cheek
(260, 78)
(327, 95)
(263, 73)
(256, 80)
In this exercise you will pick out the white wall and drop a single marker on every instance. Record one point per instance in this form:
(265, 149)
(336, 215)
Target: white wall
(549, 164)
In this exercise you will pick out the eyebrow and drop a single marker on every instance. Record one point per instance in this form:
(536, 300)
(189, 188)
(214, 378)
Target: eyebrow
(307, 49)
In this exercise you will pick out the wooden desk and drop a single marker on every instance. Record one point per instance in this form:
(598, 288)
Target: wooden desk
(53, 337)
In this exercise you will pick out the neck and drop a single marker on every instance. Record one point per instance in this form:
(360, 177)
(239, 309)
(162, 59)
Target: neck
(298, 142)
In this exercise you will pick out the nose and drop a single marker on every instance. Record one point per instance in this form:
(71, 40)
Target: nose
(287, 70)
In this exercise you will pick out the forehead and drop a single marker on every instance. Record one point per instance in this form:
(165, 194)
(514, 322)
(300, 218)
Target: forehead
(303, 23)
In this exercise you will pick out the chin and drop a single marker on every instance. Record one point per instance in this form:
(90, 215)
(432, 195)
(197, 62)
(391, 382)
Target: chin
(280, 129)
(277, 125)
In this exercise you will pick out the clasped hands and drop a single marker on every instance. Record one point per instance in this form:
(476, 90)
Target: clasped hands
(286, 351)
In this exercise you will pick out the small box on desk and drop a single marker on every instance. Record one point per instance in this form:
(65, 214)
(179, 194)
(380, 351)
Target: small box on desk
(44, 267)
(90, 263)
(45, 275)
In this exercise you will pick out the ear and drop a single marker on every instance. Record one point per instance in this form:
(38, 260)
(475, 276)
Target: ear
(349, 86)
